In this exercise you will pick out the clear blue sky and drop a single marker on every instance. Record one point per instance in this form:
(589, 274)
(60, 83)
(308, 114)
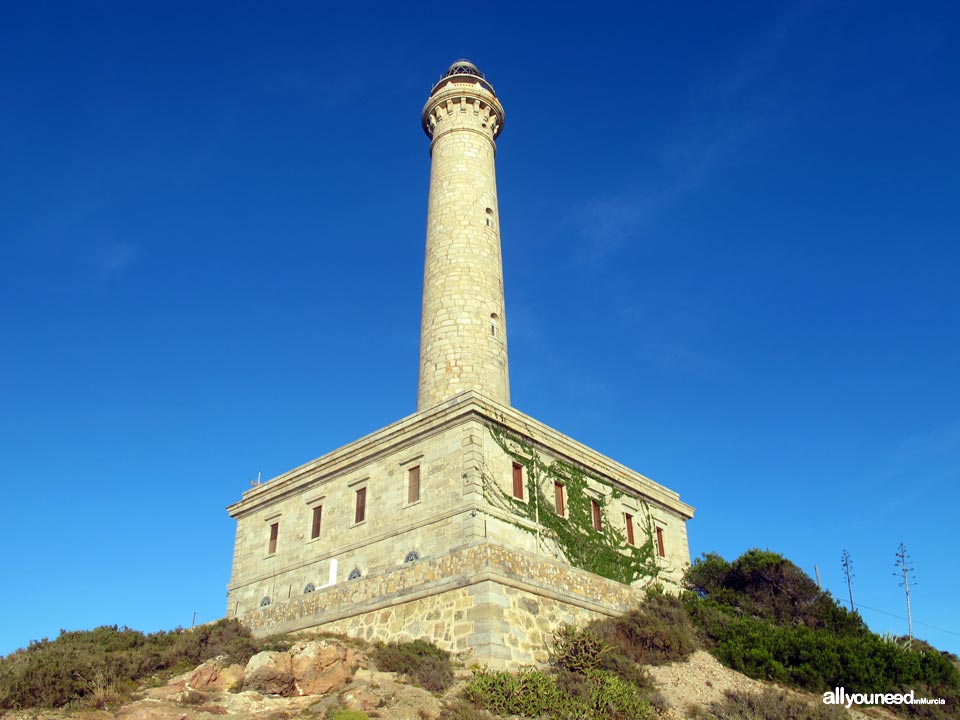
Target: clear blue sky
(730, 237)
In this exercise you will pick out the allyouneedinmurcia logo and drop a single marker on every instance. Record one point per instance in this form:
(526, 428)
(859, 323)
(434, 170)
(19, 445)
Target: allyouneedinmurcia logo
(839, 696)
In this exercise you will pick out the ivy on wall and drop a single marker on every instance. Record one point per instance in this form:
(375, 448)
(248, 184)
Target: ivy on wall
(605, 552)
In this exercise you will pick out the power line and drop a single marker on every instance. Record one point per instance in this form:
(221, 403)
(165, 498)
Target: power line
(901, 617)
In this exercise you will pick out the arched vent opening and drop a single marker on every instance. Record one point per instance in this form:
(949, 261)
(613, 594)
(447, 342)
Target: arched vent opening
(412, 556)
(354, 574)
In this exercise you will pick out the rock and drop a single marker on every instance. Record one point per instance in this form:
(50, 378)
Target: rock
(215, 675)
(269, 673)
(364, 698)
(375, 691)
(321, 667)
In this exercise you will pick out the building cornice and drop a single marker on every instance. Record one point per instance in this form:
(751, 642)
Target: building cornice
(436, 419)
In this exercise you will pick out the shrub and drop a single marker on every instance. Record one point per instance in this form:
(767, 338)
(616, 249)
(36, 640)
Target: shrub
(98, 667)
(421, 661)
(580, 652)
(598, 695)
(657, 632)
(767, 585)
(615, 699)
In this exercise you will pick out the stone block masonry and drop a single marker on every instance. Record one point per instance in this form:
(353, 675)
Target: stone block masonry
(450, 566)
(463, 337)
(484, 603)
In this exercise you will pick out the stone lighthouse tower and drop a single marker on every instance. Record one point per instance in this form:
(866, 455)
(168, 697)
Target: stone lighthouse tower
(463, 339)
(468, 522)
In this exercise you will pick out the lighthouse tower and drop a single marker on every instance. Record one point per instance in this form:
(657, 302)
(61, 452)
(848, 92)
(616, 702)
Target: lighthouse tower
(463, 339)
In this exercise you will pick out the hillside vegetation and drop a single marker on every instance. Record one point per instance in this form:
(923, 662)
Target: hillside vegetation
(763, 616)
(760, 615)
(104, 665)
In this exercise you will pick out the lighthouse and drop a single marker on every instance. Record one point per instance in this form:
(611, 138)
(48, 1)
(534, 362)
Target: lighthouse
(467, 522)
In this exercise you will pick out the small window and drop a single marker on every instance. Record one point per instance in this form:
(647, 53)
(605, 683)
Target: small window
(309, 588)
(360, 513)
(518, 481)
(265, 601)
(558, 499)
(315, 526)
(413, 484)
(274, 532)
(494, 324)
(660, 550)
(412, 556)
(628, 518)
(354, 574)
(595, 512)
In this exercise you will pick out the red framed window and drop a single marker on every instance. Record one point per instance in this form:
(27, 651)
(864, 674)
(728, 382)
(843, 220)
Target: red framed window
(274, 533)
(360, 513)
(518, 481)
(629, 521)
(413, 484)
(595, 512)
(558, 499)
(315, 526)
(660, 549)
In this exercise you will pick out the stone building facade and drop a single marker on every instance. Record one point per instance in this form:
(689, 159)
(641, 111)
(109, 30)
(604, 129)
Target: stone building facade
(468, 523)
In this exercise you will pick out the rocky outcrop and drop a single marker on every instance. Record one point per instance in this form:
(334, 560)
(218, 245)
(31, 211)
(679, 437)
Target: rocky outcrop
(318, 667)
(216, 675)
(322, 667)
(269, 673)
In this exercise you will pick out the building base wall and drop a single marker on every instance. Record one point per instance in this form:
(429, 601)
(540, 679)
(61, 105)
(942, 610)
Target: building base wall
(484, 603)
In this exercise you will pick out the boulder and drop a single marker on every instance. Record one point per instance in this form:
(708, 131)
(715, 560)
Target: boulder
(269, 673)
(321, 667)
(215, 675)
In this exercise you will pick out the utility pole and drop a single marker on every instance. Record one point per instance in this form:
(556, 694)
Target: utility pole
(848, 574)
(903, 562)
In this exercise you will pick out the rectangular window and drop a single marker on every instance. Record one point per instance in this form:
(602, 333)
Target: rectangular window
(315, 527)
(518, 481)
(413, 484)
(558, 499)
(361, 512)
(660, 549)
(595, 511)
(629, 520)
(274, 532)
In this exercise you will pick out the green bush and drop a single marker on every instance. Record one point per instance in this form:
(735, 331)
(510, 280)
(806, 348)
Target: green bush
(423, 662)
(656, 633)
(529, 692)
(764, 584)
(533, 693)
(580, 652)
(99, 667)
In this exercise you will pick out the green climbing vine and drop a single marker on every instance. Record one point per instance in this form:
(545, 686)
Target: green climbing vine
(605, 552)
